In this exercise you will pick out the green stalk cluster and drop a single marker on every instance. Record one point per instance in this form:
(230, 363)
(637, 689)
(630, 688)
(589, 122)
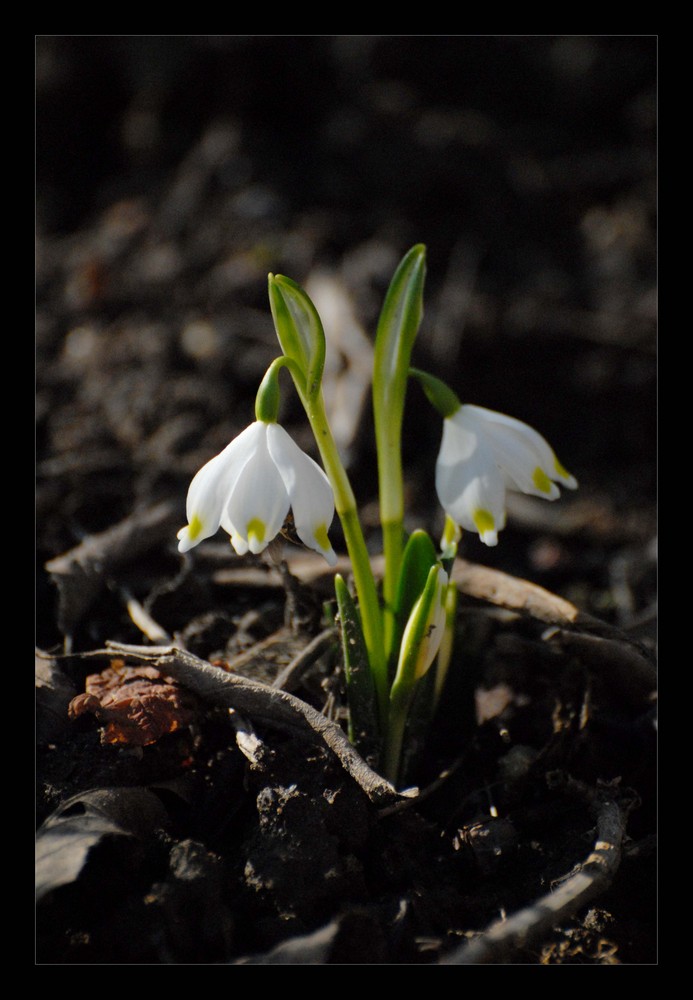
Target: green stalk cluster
(389, 641)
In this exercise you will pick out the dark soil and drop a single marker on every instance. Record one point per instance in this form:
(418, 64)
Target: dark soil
(174, 173)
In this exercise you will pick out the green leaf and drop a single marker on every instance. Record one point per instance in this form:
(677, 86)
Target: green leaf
(417, 647)
(420, 634)
(299, 329)
(418, 558)
(361, 696)
(417, 727)
(397, 328)
(426, 698)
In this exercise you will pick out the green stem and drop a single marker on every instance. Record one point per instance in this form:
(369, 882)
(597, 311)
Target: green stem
(393, 541)
(267, 398)
(397, 720)
(302, 339)
(417, 649)
(438, 393)
(364, 581)
(398, 325)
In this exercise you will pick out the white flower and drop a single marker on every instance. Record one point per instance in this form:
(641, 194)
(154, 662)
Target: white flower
(248, 488)
(483, 454)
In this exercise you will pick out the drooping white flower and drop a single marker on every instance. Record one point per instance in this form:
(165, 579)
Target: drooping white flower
(248, 488)
(483, 454)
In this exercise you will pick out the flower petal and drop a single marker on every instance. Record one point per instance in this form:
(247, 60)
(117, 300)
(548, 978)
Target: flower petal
(309, 491)
(523, 453)
(258, 502)
(211, 487)
(469, 483)
(522, 463)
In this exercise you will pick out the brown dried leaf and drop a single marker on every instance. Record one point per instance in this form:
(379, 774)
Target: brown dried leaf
(136, 705)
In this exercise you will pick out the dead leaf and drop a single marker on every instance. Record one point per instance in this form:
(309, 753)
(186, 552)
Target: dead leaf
(136, 705)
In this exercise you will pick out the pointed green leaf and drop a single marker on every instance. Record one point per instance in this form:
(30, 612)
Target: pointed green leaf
(422, 633)
(418, 558)
(416, 730)
(426, 698)
(299, 329)
(446, 647)
(397, 328)
(418, 648)
(361, 696)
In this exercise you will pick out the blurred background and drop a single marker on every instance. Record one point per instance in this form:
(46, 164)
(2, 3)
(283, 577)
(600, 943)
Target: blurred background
(175, 172)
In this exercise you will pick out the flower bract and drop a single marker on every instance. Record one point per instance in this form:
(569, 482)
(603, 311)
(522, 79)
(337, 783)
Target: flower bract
(248, 489)
(482, 455)
(432, 629)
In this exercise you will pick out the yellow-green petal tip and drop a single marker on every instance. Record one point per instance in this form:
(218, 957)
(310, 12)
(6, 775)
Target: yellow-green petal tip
(257, 530)
(195, 528)
(483, 521)
(541, 480)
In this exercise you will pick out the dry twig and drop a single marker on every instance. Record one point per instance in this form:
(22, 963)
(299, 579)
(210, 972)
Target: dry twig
(290, 676)
(505, 938)
(631, 672)
(260, 701)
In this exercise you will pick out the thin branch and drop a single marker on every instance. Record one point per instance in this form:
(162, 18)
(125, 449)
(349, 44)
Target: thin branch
(621, 661)
(290, 676)
(142, 619)
(503, 939)
(260, 701)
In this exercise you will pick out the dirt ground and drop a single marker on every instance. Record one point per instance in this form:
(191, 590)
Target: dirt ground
(217, 821)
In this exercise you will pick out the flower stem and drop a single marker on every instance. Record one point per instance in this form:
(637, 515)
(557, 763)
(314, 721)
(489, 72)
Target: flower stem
(364, 581)
(397, 719)
(393, 540)
(397, 329)
(267, 398)
(302, 339)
